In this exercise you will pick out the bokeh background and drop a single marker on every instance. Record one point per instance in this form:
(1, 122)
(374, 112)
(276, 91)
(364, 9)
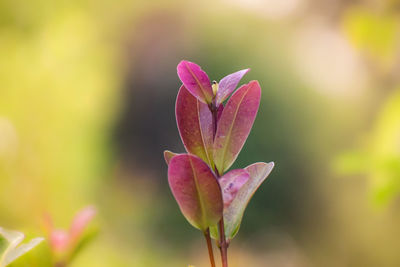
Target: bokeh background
(87, 94)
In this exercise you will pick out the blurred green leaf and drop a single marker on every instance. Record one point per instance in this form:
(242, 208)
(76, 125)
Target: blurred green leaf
(374, 33)
(379, 159)
(14, 250)
(83, 242)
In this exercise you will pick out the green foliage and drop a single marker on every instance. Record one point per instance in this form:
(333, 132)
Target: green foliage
(379, 158)
(375, 34)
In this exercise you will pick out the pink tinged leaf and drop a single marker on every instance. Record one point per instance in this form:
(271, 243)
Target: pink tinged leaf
(228, 84)
(195, 80)
(60, 241)
(194, 120)
(168, 155)
(235, 124)
(81, 221)
(196, 189)
(231, 183)
(234, 213)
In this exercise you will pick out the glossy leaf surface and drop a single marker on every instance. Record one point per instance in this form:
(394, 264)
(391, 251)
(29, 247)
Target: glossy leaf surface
(195, 80)
(228, 84)
(196, 190)
(235, 124)
(194, 120)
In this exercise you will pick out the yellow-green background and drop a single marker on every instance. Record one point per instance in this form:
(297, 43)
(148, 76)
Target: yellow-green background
(87, 91)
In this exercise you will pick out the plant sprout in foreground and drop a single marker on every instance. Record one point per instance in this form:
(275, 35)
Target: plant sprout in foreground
(65, 244)
(210, 197)
(10, 248)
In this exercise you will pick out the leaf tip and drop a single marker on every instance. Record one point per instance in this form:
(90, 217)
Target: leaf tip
(168, 155)
(272, 164)
(245, 71)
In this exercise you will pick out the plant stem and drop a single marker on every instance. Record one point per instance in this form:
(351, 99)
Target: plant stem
(223, 246)
(209, 246)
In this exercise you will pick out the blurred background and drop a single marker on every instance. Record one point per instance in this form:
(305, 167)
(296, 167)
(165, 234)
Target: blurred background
(87, 95)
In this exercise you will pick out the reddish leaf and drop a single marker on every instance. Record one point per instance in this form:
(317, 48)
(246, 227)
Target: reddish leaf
(235, 124)
(194, 120)
(196, 81)
(231, 182)
(234, 213)
(228, 84)
(196, 189)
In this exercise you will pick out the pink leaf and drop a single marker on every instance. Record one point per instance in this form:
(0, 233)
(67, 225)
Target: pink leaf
(59, 240)
(228, 84)
(196, 190)
(194, 120)
(195, 80)
(235, 124)
(231, 182)
(80, 222)
(234, 213)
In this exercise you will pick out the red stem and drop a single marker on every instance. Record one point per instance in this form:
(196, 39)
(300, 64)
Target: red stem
(223, 245)
(209, 246)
